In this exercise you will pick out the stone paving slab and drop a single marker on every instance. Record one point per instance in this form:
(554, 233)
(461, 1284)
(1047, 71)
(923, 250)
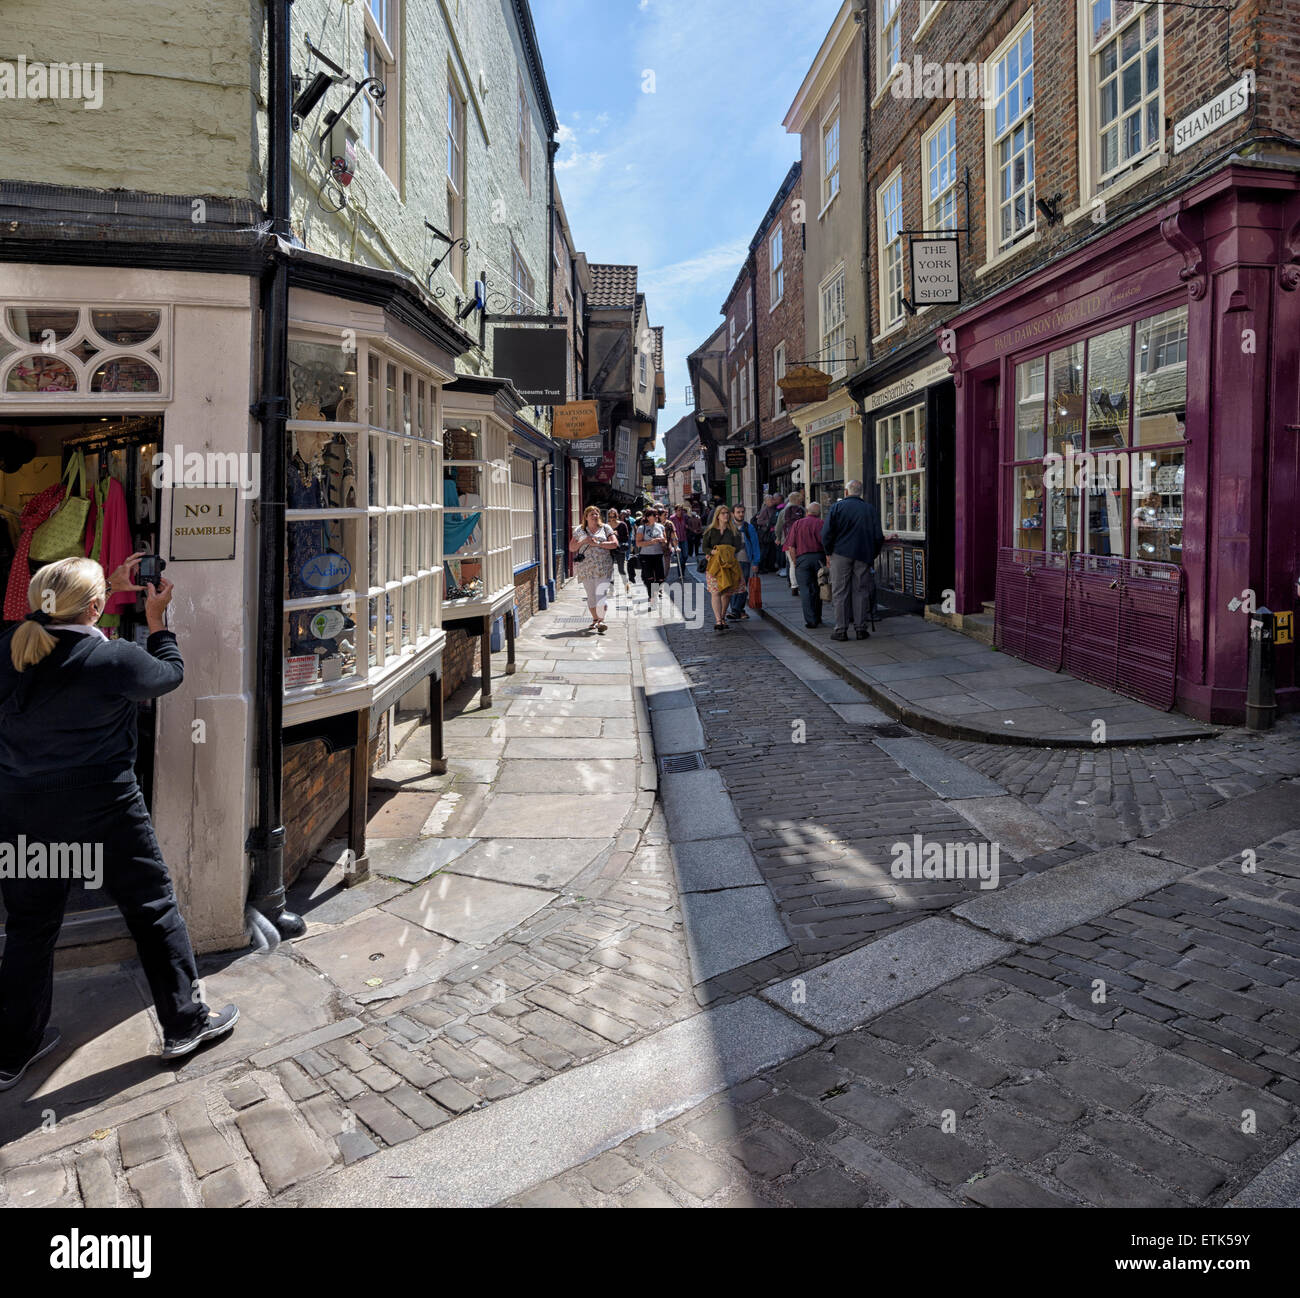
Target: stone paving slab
(552, 815)
(495, 1153)
(910, 667)
(576, 773)
(677, 730)
(1080, 890)
(1210, 836)
(697, 805)
(1018, 830)
(343, 954)
(947, 776)
(839, 995)
(709, 864)
(468, 909)
(413, 859)
(534, 862)
(730, 928)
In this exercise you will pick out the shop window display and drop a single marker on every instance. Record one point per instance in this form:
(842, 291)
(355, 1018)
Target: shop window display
(361, 580)
(900, 468)
(1113, 409)
(476, 519)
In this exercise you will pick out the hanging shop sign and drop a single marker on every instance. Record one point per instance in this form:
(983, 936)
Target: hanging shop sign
(535, 361)
(326, 571)
(803, 384)
(647, 467)
(1207, 119)
(606, 471)
(737, 457)
(574, 421)
(935, 267)
(660, 480)
(590, 450)
(203, 523)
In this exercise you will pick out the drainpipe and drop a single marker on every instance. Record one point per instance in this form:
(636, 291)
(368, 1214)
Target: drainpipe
(753, 396)
(552, 148)
(266, 841)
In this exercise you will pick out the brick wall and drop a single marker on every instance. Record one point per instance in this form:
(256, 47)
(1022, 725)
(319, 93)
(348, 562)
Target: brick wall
(738, 357)
(785, 323)
(1194, 71)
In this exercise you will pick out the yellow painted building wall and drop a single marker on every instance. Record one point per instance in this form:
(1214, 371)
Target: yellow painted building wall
(177, 113)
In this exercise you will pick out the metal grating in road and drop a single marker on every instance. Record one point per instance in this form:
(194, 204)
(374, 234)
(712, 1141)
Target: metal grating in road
(890, 730)
(522, 689)
(679, 762)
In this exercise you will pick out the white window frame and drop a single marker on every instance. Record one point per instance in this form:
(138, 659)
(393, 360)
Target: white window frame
(381, 123)
(521, 280)
(457, 117)
(731, 337)
(932, 220)
(830, 186)
(1092, 183)
(928, 11)
(776, 267)
(749, 306)
(996, 246)
(902, 477)
(889, 38)
(523, 512)
(734, 408)
(889, 205)
(827, 333)
(641, 371)
(778, 373)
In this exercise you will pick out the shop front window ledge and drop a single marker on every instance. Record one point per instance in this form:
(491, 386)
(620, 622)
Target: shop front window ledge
(1007, 254)
(1144, 171)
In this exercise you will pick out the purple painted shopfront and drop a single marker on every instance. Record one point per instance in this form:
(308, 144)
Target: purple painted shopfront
(1128, 447)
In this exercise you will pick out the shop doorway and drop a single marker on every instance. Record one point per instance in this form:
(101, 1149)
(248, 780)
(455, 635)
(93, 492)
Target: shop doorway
(119, 460)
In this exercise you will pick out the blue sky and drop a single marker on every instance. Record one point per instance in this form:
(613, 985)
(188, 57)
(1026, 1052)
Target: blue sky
(675, 181)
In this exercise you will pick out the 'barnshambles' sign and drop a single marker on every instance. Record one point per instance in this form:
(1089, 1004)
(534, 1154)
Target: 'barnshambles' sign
(203, 522)
(1207, 119)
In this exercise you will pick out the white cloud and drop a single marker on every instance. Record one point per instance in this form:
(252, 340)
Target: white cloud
(715, 265)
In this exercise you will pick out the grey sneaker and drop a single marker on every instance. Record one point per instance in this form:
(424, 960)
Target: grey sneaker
(51, 1039)
(219, 1022)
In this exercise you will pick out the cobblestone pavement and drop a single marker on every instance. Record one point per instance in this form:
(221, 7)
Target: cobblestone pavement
(1042, 1084)
(1147, 1058)
(1116, 794)
(604, 964)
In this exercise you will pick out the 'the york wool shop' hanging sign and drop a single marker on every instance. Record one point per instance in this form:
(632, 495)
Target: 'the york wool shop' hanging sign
(203, 523)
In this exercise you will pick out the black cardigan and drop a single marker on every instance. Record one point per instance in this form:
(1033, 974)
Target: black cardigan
(70, 721)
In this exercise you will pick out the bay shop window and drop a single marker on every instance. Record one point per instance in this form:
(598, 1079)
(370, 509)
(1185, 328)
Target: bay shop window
(363, 555)
(1097, 462)
(476, 487)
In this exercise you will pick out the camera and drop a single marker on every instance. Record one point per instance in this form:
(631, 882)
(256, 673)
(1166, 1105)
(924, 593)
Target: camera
(151, 567)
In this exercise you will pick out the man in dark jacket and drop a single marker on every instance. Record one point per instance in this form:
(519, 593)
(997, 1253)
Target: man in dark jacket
(852, 539)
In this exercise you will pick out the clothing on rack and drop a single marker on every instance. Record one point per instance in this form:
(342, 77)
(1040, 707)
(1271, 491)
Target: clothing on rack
(108, 537)
(35, 512)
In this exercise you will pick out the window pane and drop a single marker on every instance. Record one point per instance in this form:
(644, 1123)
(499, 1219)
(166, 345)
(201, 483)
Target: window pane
(1065, 407)
(1160, 371)
(1028, 488)
(31, 324)
(322, 381)
(319, 644)
(1158, 513)
(1031, 415)
(1108, 394)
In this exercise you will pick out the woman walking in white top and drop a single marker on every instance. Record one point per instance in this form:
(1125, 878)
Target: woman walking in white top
(592, 548)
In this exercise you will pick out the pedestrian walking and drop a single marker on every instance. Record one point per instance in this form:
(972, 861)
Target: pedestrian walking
(68, 704)
(674, 545)
(592, 546)
(680, 525)
(694, 530)
(747, 556)
(614, 521)
(722, 578)
(852, 537)
(651, 542)
(792, 513)
(803, 539)
(765, 522)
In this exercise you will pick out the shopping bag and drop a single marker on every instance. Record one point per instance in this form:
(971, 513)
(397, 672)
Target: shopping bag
(755, 591)
(824, 584)
(63, 534)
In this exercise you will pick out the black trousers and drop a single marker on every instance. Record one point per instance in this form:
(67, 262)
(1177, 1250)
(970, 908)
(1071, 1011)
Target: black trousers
(135, 878)
(652, 570)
